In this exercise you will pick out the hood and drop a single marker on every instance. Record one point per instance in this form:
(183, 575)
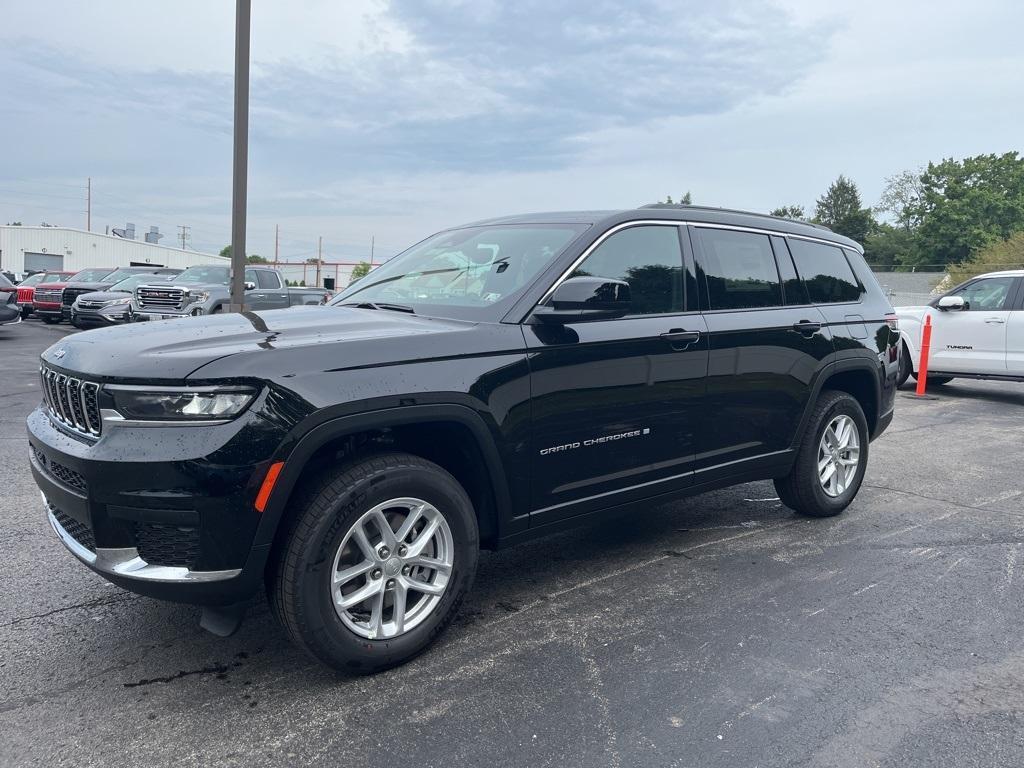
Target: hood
(104, 295)
(170, 350)
(87, 286)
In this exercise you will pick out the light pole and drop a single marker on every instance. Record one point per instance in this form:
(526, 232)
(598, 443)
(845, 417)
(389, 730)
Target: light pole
(243, 11)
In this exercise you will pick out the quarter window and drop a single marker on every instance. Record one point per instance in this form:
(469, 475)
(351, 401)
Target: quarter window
(987, 295)
(646, 257)
(740, 270)
(825, 272)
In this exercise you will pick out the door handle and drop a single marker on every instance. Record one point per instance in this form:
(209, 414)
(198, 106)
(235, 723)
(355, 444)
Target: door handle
(679, 338)
(995, 320)
(807, 327)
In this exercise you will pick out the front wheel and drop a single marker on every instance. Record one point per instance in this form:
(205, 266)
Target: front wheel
(376, 561)
(906, 367)
(50, 320)
(831, 459)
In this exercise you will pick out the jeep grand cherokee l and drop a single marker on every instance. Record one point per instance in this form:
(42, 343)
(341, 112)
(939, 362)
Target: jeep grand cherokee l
(493, 383)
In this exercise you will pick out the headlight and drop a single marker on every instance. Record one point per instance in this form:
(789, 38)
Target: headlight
(197, 298)
(115, 302)
(181, 404)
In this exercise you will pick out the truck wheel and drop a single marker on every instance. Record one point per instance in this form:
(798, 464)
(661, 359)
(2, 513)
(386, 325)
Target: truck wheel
(906, 368)
(831, 459)
(50, 320)
(375, 562)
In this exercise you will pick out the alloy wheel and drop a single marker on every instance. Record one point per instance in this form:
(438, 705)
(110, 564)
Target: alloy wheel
(838, 455)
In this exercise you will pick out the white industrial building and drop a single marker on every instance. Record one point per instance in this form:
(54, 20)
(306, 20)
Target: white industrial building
(28, 249)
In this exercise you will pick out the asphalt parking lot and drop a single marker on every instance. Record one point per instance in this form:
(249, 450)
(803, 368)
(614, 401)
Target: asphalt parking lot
(716, 631)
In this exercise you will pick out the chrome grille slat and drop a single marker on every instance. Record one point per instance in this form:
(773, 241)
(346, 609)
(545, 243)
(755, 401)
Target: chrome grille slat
(160, 298)
(72, 402)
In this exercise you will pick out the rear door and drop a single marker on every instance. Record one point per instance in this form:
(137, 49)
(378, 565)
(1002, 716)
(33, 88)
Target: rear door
(274, 294)
(617, 403)
(1015, 334)
(974, 340)
(766, 344)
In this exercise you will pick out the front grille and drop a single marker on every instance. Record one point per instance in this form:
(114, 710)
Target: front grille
(160, 298)
(70, 294)
(90, 304)
(66, 475)
(80, 532)
(25, 295)
(48, 296)
(72, 402)
(172, 545)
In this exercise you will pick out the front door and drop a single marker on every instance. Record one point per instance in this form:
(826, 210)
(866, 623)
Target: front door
(767, 341)
(616, 402)
(973, 340)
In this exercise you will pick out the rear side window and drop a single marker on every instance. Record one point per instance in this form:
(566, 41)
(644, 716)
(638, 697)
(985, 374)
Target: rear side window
(825, 272)
(649, 259)
(740, 269)
(267, 279)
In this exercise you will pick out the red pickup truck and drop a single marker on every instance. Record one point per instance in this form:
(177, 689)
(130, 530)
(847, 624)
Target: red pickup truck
(48, 299)
(27, 288)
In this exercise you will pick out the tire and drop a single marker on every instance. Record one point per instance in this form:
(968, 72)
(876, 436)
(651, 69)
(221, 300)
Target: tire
(906, 367)
(217, 310)
(25, 312)
(802, 489)
(937, 381)
(321, 535)
(49, 320)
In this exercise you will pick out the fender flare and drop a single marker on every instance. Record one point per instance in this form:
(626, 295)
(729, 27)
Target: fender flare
(315, 438)
(827, 371)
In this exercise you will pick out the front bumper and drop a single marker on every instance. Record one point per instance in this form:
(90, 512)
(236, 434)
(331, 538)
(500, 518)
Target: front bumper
(178, 526)
(107, 316)
(141, 315)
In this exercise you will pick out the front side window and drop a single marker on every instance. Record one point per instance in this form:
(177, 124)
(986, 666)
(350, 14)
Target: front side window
(740, 270)
(825, 271)
(986, 295)
(204, 275)
(474, 273)
(649, 259)
(267, 279)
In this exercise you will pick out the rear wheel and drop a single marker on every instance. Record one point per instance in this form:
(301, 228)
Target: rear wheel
(906, 368)
(377, 559)
(831, 459)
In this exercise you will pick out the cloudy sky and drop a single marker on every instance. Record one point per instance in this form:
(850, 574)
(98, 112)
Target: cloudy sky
(390, 119)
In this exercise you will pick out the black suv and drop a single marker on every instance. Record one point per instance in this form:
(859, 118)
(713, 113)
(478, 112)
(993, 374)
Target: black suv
(493, 383)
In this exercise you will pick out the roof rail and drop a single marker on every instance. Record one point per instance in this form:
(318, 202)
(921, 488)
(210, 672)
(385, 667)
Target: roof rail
(684, 206)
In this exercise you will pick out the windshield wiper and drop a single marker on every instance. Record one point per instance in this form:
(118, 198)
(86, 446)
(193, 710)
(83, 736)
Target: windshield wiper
(379, 305)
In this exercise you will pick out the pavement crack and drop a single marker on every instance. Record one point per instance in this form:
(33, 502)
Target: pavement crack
(213, 669)
(98, 602)
(926, 497)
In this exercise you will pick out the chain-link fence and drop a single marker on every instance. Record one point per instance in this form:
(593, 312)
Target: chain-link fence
(909, 289)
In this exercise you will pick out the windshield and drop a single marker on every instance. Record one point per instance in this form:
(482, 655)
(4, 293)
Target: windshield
(90, 275)
(55, 277)
(210, 275)
(473, 273)
(35, 279)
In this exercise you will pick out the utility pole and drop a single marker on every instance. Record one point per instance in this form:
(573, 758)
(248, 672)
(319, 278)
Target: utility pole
(373, 239)
(88, 204)
(319, 258)
(243, 12)
(277, 241)
(184, 234)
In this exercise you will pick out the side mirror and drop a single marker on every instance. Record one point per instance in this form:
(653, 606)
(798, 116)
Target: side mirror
(956, 303)
(586, 298)
(250, 285)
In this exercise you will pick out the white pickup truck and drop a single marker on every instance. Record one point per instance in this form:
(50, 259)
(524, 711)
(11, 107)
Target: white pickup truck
(977, 331)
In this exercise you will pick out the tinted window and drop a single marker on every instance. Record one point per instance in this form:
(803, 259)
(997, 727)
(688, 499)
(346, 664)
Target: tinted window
(740, 270)
(988, 295)
(825, 271)
(649, 259)
(793, 290)
(267, 279)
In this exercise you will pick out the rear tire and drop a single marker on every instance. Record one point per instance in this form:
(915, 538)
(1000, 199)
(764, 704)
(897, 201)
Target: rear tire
(906, 368)
(810, 488)
(308, 581)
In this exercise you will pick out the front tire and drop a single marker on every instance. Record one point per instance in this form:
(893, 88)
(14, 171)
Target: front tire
(50, 320)
(906, 367)
(831, 459)
(376, 561)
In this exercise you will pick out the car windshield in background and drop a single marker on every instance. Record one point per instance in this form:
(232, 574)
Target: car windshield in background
(54, 277)
(31, 280)
(472, 273)
(90, 275)
(121, 274)
(129, 284)
(204, 275)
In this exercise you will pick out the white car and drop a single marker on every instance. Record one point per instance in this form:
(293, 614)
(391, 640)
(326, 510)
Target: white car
(977, 331)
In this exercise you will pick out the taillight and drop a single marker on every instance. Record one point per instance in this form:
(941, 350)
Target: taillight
(892, 321)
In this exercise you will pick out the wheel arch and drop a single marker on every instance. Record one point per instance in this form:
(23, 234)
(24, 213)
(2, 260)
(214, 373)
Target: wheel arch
(453, 436)
(858, 377)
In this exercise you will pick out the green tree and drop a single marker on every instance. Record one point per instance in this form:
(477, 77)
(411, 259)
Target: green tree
(686, 199)
(840, 209)
(226, 251)
(14, 224)
(970, 204)
(1005, 254)
(789, 212)
(892, 247)
(362, 269)
(901, 197)
(255, 258)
